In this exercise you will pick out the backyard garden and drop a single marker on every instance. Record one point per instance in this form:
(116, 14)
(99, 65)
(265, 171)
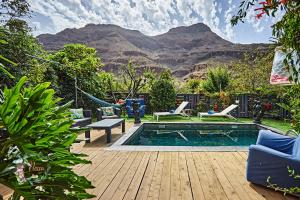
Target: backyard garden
(43, 93)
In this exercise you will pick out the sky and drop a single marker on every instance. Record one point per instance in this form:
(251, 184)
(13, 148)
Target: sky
(151, 17)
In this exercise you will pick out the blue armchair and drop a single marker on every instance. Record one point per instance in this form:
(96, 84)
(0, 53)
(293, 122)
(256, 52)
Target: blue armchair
(271, 156)
(129, 108)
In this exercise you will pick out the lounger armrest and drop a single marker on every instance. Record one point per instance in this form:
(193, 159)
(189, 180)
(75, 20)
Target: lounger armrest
(276, 141)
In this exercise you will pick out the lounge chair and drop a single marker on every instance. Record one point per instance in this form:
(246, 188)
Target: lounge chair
(270, 157)
(178, 111)
(224, 113)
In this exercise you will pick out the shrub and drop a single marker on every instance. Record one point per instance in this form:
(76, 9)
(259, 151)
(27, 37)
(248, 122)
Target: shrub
(217, 80)
(35, 160)
(162, 93)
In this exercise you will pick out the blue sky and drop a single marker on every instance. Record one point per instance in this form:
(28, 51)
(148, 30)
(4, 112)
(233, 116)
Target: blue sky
(151, 17)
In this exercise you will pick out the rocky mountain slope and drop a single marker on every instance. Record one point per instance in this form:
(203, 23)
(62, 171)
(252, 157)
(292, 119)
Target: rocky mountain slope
(182, 49)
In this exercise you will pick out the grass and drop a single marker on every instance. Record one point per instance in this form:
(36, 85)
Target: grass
(278, 124)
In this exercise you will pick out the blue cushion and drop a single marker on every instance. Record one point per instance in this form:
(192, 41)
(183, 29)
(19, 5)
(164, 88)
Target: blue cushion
(296, 148)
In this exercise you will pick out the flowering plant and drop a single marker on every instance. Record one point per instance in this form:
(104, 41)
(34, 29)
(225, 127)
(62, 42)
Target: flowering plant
(35, 157)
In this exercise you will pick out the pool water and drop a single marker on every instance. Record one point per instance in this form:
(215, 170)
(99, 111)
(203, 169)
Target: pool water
(194, 135)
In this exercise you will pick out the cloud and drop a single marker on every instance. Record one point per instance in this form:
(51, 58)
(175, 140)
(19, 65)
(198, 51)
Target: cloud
(151, 17)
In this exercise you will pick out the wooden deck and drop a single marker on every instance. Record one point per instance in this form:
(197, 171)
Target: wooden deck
(125, 175)
(120, 175)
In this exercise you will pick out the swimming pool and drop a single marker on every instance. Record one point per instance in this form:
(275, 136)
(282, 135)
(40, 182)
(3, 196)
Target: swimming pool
(190, 137)
(194, 135)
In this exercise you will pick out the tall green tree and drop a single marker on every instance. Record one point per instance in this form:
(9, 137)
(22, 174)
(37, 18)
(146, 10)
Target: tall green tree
(162, 93)
(136, 79)
(24, 50)
(75, 62)
(252, 74)
(13, 9)
(218, 79)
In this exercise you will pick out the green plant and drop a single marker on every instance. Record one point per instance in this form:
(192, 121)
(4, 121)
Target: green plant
(252, 74)
(286, 31)
(2, 67)
(135, 79)
(202, 106)
(193, 86)
(293, 106)
(217, 80)
(75, 62)
(13, 9)
(36, 161)
(21, 48)
(162, 93)
(292, 190)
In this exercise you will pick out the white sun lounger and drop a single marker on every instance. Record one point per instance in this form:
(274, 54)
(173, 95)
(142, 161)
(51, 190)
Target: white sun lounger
(224, 113)
(178, 111)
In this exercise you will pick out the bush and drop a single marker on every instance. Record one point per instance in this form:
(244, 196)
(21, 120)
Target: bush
(35, 160)
(162, 93)
(217, 80)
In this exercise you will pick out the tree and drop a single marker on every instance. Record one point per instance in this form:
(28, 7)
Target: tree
(135, 80)
(35, 157)
(252, 74)
(217, 80)
(23, 49)
(12, 9)
(162, 93)
(108, 84)
(75, 62)
(194, 85)
(286, 31)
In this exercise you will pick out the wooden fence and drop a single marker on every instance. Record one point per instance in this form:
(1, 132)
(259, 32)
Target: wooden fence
(245, 102)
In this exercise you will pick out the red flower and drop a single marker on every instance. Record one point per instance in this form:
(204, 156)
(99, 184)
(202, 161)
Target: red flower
(256, 9)
(259, 15)
(284, 1)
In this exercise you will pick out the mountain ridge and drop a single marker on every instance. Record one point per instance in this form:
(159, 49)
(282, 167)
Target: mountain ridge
(180, 49)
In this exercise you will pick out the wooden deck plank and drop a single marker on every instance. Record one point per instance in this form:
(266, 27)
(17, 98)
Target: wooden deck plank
(156, 181)
(146, 182)
(129, 193)
(175, 178)
(95, 170)
(212, 179)
(236, 179)
(114, 184)
(85, 170)
(103, 179)
(228, 188)
(197, 190)
(164, 193)
(185, 185)
(203, 177)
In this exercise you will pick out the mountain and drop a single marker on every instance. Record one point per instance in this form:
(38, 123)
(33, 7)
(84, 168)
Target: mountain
(185, 49)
